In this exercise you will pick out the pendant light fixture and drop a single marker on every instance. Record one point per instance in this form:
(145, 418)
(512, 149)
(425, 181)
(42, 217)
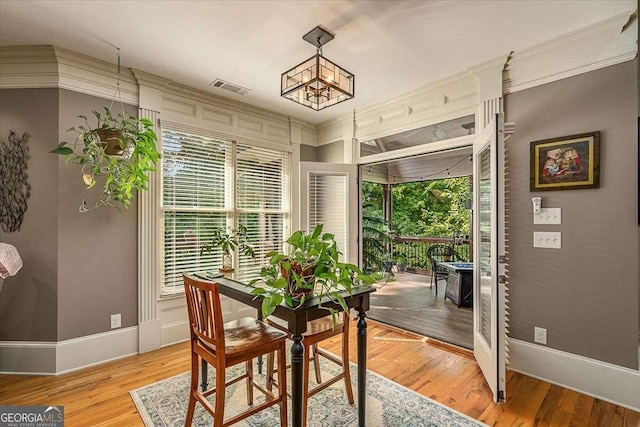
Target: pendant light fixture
(317, 83)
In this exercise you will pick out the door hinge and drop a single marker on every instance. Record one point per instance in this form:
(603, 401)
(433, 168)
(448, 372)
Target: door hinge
(502, 259)
(502, 278)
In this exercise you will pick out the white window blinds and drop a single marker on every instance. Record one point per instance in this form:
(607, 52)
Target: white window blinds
(328, 205)
(262, 203)
(210, 183)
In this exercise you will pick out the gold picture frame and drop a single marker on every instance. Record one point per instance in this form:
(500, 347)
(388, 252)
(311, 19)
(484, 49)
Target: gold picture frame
(566, 163)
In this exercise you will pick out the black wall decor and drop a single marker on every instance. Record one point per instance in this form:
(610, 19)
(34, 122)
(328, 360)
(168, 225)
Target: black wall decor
(14, 188)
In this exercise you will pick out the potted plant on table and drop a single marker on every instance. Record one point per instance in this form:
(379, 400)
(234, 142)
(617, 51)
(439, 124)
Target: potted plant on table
(309, 267)
(120, 150)
(228, 241)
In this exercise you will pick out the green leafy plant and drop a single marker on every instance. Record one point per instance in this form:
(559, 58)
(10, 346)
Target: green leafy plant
(121, 149)
(230, 240)
(309, 268)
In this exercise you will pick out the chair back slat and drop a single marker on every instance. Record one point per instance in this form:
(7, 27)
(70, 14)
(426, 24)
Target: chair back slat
(205, 313)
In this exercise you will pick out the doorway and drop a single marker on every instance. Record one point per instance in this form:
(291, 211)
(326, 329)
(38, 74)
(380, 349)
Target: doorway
(409, 205)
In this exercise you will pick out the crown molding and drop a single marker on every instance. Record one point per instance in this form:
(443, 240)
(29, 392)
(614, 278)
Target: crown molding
(28, 67)
(54, 67)
(605, 43)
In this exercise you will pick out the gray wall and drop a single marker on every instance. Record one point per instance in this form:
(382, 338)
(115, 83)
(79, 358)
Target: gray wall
(79, 268)
(331, 153)
(29, 300)
(308, 153)
(97, 250)
(585, 294)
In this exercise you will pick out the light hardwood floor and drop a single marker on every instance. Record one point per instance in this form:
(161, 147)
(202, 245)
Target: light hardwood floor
(99, 396)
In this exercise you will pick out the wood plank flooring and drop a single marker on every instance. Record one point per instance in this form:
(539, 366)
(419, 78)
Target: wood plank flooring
(99, 396)
(409, 303)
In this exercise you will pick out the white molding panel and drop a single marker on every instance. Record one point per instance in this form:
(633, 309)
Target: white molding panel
(602, 380)
(332, 130)
(174, 327)
(200, 109)
(51, 66)
(587, 49)
(443, 100)
(50, 358)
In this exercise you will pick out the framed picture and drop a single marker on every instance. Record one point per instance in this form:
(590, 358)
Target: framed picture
(566, 163)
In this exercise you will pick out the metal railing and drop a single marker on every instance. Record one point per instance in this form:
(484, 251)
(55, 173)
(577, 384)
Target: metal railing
(412, 251)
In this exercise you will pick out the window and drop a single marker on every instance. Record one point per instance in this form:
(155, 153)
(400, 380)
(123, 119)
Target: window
(210, 183)
(437, 132)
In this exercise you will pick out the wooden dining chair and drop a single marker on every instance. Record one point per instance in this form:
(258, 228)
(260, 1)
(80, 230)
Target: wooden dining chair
(222, 345)
(317, 330)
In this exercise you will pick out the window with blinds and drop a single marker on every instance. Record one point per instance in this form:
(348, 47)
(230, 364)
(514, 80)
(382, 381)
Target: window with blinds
(262, 203)
(328, 205)
(209, 183)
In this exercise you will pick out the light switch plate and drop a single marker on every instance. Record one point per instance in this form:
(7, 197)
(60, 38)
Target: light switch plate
(543, 239)
(548, 216)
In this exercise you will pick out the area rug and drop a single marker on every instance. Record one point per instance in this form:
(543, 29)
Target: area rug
(388, 404)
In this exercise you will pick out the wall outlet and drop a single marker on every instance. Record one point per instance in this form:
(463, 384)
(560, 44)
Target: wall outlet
(540, 335)
(116, 321)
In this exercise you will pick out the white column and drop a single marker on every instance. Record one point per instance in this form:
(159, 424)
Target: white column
(149, 260)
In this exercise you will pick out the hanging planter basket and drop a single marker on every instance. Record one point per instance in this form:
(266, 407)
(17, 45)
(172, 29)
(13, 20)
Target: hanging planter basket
(112, 141)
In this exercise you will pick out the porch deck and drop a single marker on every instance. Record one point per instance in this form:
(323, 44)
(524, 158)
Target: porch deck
(410, 304)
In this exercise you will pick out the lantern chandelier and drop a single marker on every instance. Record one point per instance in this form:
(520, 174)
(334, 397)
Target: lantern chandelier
(317, 83)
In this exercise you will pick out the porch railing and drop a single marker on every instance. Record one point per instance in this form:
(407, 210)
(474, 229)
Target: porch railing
(412, 250)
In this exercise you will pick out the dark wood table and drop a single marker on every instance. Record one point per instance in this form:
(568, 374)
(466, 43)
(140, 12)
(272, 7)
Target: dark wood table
(297, 324)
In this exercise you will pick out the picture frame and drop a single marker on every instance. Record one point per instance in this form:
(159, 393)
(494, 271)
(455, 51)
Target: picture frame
(566, 163)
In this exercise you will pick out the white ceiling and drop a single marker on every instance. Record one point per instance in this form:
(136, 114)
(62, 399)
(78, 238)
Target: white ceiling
(391, 46)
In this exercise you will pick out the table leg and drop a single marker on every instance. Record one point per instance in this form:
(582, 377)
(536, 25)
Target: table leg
(362, 367)
(203, 376)
(297, 353)
(260, 357)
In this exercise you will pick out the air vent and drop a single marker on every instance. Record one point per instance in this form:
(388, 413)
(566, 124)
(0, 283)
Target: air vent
(219, 83)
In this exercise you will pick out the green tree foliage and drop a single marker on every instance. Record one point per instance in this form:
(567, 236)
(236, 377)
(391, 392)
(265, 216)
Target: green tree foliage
(376, 241)
(431, 208)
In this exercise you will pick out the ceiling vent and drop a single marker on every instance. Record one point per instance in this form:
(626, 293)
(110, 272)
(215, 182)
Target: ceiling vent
(219, 83)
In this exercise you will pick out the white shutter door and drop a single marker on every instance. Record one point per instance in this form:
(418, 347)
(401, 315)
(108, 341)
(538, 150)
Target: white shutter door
(329, 196)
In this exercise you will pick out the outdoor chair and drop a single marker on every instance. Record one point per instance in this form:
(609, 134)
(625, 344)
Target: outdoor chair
(441, 252)
(222, 345)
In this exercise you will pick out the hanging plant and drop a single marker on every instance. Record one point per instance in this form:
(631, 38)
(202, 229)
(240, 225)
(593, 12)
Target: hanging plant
(121, 150)
(134, 142)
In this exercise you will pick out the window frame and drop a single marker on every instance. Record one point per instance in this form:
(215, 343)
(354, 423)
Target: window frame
(231, 210)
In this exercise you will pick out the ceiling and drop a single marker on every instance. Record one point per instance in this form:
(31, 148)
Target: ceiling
(391, 46)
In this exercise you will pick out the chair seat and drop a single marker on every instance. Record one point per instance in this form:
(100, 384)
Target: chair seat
(314, 327)
(247, 333)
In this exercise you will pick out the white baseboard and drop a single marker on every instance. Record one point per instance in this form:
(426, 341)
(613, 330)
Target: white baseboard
(592, 377)
(54, 358)
(91, 350)
(27, 357)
